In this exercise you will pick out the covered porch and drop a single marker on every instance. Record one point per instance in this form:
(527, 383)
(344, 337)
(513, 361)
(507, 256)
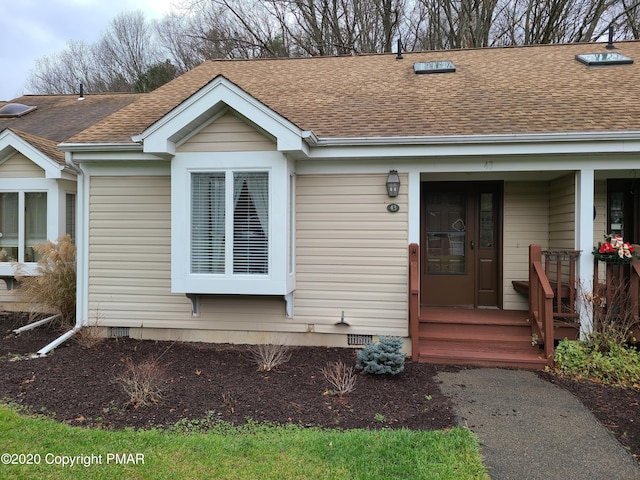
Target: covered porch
(519, 338)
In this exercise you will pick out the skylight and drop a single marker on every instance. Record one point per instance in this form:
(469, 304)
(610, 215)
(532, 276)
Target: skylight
(442, 66)
(606, 58)
(15, 110)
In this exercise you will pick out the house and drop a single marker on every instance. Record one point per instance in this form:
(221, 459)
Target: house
(247, 201)
(37, 187)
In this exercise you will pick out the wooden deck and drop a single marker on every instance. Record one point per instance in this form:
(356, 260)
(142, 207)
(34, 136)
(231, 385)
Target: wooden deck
(494, 337)
(480, 337)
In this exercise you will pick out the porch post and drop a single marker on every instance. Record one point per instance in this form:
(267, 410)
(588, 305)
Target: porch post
(584, 242)
(414, 206)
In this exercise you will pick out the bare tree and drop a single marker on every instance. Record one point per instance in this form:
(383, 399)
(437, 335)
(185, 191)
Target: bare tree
(179, 41)
(133, 53)
(63, 72)
(125, 48)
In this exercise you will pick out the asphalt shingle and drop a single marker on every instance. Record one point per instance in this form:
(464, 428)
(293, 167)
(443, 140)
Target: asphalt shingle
(510, 90)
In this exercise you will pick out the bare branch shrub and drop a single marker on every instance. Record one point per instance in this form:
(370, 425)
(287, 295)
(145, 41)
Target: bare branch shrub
(53, 287)
(91, 335)
(268, 355)
(613, 313)
(341, 378)
(143, 382)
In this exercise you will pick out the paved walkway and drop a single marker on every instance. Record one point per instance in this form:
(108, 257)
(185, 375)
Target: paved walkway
(531, 429)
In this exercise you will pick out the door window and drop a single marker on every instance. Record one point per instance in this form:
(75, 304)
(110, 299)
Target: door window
(446, 232)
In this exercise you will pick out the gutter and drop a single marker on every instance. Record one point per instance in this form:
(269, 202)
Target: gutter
(80, 258)
(313, 140)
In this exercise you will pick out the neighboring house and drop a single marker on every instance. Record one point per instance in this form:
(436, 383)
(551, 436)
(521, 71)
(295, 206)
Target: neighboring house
(37, 188)
(246, 201)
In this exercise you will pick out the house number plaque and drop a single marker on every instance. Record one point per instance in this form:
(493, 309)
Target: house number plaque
(393, 207)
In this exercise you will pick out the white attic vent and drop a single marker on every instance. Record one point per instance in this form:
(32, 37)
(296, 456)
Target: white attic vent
(441, 66)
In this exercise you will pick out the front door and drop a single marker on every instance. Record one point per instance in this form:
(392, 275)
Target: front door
(460, 229)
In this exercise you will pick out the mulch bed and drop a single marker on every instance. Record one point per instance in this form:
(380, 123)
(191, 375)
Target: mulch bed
(78, 386)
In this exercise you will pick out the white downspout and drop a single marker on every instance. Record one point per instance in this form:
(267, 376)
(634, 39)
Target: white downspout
(33, 325)
(81, 256)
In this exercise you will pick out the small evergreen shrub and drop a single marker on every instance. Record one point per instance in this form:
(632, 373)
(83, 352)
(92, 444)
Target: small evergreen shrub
(382, 358)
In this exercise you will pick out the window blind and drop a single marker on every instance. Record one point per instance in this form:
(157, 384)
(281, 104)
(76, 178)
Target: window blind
(251, 223)
(208, 222)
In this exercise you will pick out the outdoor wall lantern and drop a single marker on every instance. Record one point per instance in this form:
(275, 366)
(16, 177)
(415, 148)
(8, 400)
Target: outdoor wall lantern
(393, 183)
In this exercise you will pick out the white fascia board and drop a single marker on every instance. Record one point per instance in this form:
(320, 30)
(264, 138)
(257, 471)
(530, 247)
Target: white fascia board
(52, 169)
(82, 153)
(474, 145)
(160, 137)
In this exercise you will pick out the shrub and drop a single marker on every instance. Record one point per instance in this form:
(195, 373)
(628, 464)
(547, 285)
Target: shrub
(53, 288)
(91, 335)
(340, 377)
(613, 314)
(615, 364)
(382, 358)
(143, 382)
(268, 355)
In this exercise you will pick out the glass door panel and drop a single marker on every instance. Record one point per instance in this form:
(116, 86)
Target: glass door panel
(446, 232)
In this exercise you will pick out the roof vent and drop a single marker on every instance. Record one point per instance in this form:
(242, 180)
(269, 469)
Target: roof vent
(610, 45)
(15, 110)
(442, 66)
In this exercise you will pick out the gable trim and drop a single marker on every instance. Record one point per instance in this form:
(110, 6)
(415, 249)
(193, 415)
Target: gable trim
(161, 137)
(10, 140)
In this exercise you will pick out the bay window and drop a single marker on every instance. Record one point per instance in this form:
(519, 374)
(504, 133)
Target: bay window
(230, 209)
(230, 224)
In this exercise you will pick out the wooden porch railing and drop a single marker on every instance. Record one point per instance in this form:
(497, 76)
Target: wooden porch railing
(634, 285)
(621, 276)
(414, 300)
(541, 300)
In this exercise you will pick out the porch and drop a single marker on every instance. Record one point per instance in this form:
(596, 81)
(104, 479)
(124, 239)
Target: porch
(507, 338)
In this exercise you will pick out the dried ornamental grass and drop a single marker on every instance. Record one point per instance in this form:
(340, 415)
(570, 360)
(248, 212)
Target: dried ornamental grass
(53, 287)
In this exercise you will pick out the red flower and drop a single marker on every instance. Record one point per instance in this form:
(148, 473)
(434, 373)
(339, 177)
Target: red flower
(606, 248)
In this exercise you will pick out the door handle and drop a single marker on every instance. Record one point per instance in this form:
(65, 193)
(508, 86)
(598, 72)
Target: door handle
(472, 244)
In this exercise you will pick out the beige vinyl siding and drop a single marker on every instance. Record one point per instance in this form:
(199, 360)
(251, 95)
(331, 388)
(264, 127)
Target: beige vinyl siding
(129, 252)
(526, 221)
(351, 255)
(9, 299)
(229, 133)
(19, 166)
(562, 200)
(130, 266)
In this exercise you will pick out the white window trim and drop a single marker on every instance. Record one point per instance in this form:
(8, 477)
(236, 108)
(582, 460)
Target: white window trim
(277, 281)
(31, 185)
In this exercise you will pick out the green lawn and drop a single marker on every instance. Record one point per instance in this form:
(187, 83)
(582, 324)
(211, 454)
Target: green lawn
(253, 452)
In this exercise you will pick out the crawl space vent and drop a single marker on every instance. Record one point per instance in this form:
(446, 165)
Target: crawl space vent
(353, 339)
(118, 332)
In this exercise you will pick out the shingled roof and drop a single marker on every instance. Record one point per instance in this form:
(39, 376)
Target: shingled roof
(511, 90)
(59, 117)
(47, 147)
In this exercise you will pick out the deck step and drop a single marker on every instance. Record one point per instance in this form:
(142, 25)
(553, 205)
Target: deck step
(483, 359)
(478, 337)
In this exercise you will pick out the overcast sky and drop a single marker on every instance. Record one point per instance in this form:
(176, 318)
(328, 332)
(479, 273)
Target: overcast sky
(31, 29)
